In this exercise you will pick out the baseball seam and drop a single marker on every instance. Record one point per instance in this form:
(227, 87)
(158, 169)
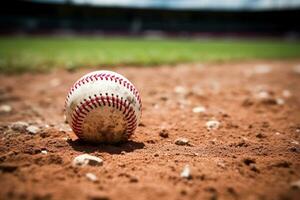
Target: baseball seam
(107, 77)
(87, 105)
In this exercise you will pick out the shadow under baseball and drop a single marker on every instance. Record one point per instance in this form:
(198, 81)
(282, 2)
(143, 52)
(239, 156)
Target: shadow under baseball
(85, 147)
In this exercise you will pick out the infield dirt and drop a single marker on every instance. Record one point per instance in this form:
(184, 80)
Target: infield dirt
(253, 154)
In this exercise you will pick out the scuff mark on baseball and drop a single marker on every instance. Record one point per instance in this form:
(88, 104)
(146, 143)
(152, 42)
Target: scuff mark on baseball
(103, 106)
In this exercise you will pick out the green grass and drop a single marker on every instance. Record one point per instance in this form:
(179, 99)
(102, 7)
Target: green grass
(18, 54)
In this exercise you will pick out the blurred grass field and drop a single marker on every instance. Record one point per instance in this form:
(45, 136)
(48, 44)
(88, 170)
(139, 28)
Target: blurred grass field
(20, 54)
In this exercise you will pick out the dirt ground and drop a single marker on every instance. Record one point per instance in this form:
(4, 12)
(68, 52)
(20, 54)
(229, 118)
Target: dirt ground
(253, 154)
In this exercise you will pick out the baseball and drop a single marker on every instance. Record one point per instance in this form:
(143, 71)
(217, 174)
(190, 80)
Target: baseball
(103, 106)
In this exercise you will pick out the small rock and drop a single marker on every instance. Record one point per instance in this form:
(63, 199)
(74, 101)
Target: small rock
(32, 129)
(263, 95)
(186, 172)
(212, 125)
(92, 177)
(248, 161)
(213, 141)
(86, 159)
(253, 167)
(221, 164)
(280, 101)
(164, 133)
(199, 109)
(141, 124)
(19, 126)
(295, 184)
(5, 109)
(123, 152)
(180, 90)
(65, 119)
(182, 141)
(295, 142)
(44, 152)
(286, 94)
(261, 135)
(277, 133)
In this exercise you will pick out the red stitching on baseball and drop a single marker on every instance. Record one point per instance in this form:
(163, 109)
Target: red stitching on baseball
(106, 76)
(78, 114)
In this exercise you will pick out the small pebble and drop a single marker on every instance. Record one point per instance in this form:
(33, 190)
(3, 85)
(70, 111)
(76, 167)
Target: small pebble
(182, 141)
(180, 90)
(44, 152)
(5, 109)
(260, 135)
(212, 125)
(186, 172)
(253, 167)
(213, 141)
(277, 133)
(86, 159)
(65, 119)
(263, 95)
(164, 133)
(221, 164)
(294, 142)
(199, 109)
(280, 101)
(32, 129)
(92, 177)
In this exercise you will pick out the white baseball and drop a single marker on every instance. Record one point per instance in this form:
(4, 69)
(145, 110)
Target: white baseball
(103, 106)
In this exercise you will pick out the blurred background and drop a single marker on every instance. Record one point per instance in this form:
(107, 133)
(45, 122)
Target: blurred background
(42, 34)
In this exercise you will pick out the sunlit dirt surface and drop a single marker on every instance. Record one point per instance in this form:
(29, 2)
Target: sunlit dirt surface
(253, 154)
